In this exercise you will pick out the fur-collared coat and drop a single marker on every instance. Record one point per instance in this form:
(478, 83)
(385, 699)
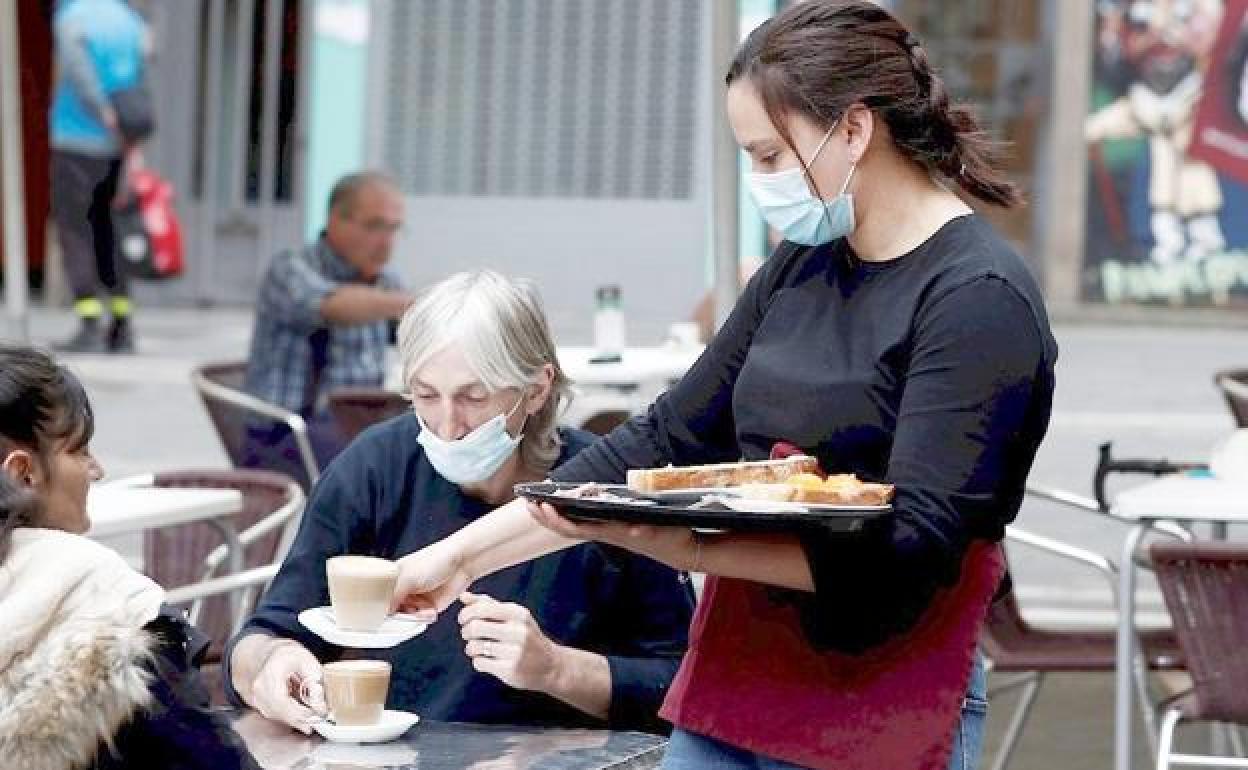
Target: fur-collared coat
(93, 672)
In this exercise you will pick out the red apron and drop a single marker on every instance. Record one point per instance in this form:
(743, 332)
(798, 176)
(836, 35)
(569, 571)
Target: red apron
(752, 680)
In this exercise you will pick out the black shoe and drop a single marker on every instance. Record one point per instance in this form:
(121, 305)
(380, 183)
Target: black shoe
(88, 339)
(121, 337)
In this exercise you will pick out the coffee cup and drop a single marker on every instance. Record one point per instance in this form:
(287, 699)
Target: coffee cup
(355, 690)
(360, 590)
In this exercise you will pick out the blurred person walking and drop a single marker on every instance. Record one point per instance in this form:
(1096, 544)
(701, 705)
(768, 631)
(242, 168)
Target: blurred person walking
(100, 48)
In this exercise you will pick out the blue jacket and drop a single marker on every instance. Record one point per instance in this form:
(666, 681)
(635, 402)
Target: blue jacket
(99, 51)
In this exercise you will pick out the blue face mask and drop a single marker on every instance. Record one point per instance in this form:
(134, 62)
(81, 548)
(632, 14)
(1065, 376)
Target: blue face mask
(787, 204)
(475, 457)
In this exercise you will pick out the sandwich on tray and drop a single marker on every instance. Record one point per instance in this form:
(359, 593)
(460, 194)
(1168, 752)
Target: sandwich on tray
(795, 478)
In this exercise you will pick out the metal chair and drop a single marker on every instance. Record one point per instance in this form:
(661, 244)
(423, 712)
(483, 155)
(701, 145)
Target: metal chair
(1013, 646)
(1205, 586)
(188, 560)
(600, 409)
(355, 409)
(1234, 386)
(233, 411)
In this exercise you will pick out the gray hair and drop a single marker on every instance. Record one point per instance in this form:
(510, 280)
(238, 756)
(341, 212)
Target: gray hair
(342, 196)
(499, 326)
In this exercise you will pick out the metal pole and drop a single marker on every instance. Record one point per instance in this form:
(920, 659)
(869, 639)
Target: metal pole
(724, 180)
(12, 179)
(267, 191)
(210, 196)
(1063, 210)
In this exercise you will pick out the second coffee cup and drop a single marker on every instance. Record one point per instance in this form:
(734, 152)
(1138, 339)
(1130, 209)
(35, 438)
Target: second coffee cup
(360, 590)
(355, 690)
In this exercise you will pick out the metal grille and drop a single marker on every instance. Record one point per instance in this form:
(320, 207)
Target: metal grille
(542, 98)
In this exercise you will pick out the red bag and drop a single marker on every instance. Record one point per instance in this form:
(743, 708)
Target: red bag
(149, 236)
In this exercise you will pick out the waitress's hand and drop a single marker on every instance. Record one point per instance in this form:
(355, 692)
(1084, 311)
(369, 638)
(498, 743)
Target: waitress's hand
(430, 579)
(674, 546)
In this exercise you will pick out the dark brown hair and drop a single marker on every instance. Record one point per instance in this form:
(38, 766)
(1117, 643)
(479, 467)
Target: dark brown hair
(819, 57)
(43, 407)
(42, 404)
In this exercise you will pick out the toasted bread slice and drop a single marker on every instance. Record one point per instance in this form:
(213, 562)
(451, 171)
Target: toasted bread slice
(720, 474)
(840, 492)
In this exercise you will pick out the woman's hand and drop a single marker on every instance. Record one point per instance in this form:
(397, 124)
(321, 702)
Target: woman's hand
(430, 579)
(504, 640)
(288, 688)
(674, 546)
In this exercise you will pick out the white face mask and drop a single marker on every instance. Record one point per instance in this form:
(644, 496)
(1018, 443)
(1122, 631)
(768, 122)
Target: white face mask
(476, 456)
(787, 204)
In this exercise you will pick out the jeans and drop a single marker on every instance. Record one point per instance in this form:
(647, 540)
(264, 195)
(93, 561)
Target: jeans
(689, 751)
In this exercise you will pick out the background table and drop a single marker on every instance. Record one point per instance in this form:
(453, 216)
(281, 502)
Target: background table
(456, 746)
(628, 385)
(1185, 499)
(638, 366)
(123, 508)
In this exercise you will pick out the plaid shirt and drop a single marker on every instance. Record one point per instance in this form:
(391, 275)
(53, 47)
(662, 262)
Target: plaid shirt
(297, 357)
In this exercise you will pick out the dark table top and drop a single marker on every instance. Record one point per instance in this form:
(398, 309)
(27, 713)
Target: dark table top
(455, 746)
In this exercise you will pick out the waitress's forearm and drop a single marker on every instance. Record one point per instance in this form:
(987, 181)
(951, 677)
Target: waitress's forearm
(774, 560)
(504, 537)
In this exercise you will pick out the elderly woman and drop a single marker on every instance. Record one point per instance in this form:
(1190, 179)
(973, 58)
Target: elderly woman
(94, 671)
(587, 636)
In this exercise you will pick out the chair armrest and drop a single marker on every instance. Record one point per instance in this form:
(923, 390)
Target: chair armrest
(1070, 552)
(1062, 496)
(1089, 505)
(298, 426)
(1233, 386)
(277, 519)
(222, 585)
(129, 482)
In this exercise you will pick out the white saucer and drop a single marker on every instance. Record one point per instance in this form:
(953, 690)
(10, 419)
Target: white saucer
(392, 725)
(396, 629)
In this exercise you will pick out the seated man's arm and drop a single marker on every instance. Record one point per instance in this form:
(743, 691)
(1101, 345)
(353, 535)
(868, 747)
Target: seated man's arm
(297, 294)
(356, 303)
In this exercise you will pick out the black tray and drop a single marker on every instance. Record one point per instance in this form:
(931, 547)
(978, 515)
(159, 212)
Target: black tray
(679, 513)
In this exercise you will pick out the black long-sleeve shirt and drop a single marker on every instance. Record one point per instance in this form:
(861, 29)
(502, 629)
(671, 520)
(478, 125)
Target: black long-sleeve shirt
(381, 497)
(933, 371)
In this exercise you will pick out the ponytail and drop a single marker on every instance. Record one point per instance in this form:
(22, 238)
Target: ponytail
(960, 149)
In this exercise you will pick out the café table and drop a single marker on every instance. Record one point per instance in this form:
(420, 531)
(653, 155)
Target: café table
(634, 367)
(432, 745)
(1180, 498)
(627, 384)
(133, 506)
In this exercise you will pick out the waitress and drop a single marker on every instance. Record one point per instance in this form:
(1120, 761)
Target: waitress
(895, 335)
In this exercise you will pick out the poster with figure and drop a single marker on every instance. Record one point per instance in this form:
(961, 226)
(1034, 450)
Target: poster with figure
(1167, 219)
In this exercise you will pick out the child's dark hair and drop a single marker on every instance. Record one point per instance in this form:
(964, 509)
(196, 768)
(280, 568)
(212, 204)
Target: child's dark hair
(42, 404)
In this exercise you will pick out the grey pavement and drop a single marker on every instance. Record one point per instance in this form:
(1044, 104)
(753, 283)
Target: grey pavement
(1147, 388)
